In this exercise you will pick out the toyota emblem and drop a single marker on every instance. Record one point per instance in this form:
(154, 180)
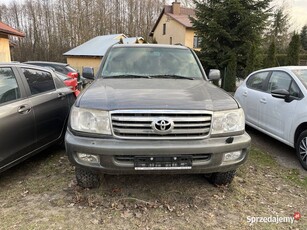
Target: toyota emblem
(162, 125)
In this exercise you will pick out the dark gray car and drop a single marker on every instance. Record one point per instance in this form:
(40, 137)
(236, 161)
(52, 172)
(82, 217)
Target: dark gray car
(61, 68)
(152, 109)
(34, 109)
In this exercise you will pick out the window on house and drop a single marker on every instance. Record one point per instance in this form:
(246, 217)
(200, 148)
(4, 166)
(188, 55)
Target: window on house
(196, 42)
(164, 28)
(171, 40)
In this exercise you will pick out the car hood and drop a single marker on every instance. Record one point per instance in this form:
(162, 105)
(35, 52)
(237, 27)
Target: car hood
(177, 94)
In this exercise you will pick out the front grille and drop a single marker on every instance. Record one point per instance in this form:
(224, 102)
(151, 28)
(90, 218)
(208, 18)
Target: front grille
(140, 124)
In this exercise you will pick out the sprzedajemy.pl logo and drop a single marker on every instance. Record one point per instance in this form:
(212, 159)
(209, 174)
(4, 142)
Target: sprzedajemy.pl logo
(274, 219)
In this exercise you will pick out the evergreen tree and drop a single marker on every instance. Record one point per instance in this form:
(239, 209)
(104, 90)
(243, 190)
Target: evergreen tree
(228, 27)
(231, 73)
(303, 36)
(294, 50)
(251, 60)
(270, 60)
(279, 30)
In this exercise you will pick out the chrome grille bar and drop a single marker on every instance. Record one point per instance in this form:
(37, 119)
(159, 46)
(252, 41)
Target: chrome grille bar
(139, 124)
(185, 119)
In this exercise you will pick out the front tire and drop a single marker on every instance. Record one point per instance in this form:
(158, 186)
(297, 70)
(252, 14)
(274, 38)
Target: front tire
(86, 178)
(222, 178)
(301, 149)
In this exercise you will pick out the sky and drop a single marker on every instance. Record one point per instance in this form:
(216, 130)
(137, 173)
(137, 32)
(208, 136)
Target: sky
(297, 10)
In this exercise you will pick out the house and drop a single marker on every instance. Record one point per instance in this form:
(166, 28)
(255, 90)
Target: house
(5, 44)
(91, 52)
(174, 26)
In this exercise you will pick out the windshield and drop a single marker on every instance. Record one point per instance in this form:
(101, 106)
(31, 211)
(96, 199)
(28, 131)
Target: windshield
(302, 75)
(151, 62)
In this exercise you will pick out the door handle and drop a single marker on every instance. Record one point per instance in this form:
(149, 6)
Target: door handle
(263, 100)
(245, 94)
(24, 109)
(61, 95)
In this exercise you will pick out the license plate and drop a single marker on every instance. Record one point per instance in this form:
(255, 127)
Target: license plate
(162, 163)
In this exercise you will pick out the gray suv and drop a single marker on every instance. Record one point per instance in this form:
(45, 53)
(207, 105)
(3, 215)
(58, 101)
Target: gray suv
(152, 109)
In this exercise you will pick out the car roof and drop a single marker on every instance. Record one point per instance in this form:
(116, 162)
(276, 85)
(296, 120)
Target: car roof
(283, 68)
(14, 64)
(47, 63)
(179, 46)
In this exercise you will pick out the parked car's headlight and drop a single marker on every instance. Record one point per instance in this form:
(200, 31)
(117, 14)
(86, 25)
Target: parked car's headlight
(229, 121)
(90, 121)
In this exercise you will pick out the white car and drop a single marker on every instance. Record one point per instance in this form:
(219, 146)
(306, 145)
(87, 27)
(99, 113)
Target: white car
(275, 102)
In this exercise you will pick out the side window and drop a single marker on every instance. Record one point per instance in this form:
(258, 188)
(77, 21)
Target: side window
(59, 83)
(294, 90)
(58, 69)
(257, 81)
(39, 81)
(279, 80)
(9, 90)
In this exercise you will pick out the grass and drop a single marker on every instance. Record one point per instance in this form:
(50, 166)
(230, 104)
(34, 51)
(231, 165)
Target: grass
(41, 194)
(294, 176)
(264, 160)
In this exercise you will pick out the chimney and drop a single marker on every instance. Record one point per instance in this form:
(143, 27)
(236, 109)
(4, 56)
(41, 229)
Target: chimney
(176, 7)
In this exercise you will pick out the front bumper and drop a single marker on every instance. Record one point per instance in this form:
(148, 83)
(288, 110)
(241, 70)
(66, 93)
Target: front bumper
(116, 155)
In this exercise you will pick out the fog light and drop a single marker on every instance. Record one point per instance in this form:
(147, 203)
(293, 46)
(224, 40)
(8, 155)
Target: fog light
(232, 156)
(88, 157)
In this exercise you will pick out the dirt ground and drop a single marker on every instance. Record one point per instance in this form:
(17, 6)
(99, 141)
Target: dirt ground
(41, 193)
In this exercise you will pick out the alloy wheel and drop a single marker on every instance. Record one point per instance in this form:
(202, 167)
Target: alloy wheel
(303, 150)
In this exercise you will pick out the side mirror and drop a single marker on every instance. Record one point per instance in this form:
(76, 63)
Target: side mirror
(88, 73)
(214, 74)
(282, 94)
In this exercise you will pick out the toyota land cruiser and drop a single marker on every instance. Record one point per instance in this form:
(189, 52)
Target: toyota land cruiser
(152, 109)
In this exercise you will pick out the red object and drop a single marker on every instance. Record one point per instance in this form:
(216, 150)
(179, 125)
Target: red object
(72, 83)
(297, 215)
(73, 75)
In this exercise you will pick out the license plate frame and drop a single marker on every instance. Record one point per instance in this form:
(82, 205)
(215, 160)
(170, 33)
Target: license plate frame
(163, 162)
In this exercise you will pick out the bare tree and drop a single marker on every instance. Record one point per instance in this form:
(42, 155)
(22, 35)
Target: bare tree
(53, 27)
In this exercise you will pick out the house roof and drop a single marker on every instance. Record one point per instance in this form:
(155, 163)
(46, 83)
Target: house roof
(4, 28)
(132, 40)
(183, 18)
(97, 46)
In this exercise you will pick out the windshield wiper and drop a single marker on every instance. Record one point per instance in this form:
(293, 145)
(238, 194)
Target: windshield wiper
(172, 76)
(127, 76)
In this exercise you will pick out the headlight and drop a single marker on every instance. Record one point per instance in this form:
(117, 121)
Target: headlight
(229, 121)
(90, 121)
